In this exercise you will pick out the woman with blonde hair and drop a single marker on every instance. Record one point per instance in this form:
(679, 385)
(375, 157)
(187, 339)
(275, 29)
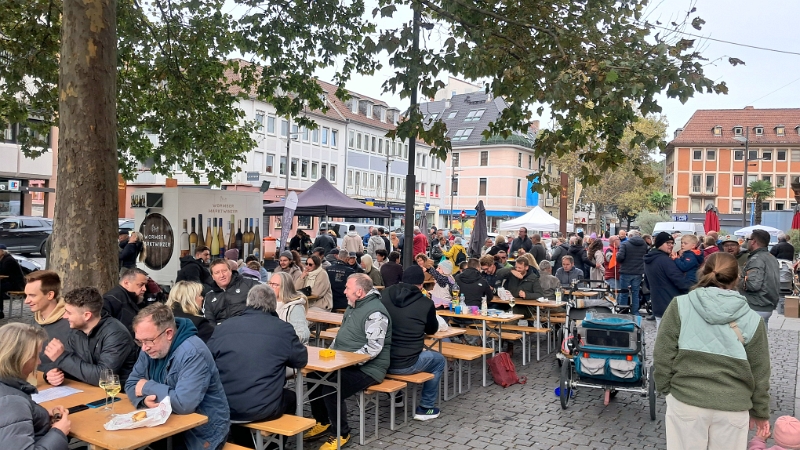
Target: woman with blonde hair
(394, 240)
(186, 301)
(291, 306)
(314, 281)
(371, 270)
(133, 249)
(26, 424)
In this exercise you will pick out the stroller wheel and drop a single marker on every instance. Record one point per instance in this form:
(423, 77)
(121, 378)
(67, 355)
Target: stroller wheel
(613, 393)
(565, 384)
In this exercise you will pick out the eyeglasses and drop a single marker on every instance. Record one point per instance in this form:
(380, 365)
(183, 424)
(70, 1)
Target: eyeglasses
(275, 285)
(149, 342)
(309, 264)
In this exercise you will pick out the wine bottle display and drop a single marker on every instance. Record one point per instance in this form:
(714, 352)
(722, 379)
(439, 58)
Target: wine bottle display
(232, 235)
(192, 240)
(246, 242)
(257, 243)
(208, 234)
(200, 239)
(215, 240)
(184, 241)
(239, 242)
(221, 237)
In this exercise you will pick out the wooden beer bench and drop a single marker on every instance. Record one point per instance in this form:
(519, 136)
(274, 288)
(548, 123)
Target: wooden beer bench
(271, 431)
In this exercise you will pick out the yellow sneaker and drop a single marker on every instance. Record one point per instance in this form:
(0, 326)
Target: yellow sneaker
(330, 444)
(316, 431)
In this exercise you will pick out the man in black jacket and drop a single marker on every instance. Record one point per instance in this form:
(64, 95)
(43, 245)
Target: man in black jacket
(194, 268)
(473, 285)
(10, 268)
(538, 249)
(338, 272)
(123, 301)
(413, 316)
(559, 251)
(391, 271)
(228, 294)
(783, 249)
(521, 241)
(325, 240)
(630, 257)
(96, 343)
(489, 269)
(253, 375)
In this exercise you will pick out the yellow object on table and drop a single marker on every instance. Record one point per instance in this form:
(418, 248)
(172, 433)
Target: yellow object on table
(327, 353)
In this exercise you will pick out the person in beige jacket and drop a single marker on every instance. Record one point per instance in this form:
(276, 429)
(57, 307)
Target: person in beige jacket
(352, 242)
(314, 276)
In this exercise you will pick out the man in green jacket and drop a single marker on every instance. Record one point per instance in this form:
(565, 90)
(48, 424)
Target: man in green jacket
(759, 281)
(366, 329)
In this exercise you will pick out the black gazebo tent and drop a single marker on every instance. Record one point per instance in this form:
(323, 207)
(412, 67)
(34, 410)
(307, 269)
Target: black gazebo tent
(322, 199)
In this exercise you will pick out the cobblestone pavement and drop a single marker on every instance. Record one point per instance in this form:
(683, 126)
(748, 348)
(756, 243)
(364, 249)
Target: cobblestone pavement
(530, 415)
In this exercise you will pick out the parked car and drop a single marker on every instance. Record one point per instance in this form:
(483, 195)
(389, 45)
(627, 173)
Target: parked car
(126, 224)
(25, 234)
(27, 265)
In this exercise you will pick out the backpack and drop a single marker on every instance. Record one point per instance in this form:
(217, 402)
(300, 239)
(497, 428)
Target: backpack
(461, 257)
(503, 371)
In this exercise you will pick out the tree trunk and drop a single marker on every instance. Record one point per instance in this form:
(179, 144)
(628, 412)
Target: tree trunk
(85, 250)
(759, 207)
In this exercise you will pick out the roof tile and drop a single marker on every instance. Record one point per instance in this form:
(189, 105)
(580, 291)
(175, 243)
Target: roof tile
(699, 130)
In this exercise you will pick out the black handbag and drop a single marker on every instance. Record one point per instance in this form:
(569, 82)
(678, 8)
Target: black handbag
(305, 291)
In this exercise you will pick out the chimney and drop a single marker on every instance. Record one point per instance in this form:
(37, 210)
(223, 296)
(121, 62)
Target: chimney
(447, 103)
(677, 132)
(748, 107)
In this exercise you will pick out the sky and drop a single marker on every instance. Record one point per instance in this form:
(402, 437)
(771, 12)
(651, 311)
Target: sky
(767, 80)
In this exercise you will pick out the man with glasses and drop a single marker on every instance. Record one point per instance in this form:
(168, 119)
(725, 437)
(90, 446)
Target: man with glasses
(175, 363)
(666, 280)
(522, 241)
(95, 343)
(759, 281)
(729, 244)
(502, 259)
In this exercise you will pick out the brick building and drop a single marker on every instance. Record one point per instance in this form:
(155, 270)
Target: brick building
(705, 162)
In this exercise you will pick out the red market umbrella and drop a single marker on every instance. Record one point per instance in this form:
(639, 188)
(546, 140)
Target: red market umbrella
(712, 219)
(796, 220)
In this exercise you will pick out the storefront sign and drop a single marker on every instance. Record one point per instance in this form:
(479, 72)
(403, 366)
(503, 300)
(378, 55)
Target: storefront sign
(9, 186)
(158, 239)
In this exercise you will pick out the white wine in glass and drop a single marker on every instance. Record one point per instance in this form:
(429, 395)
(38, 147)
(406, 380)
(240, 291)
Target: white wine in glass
(512, 302)
(105, 375)
(112, 388)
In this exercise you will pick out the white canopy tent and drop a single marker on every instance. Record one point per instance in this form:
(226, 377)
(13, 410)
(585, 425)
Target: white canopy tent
(536, 219)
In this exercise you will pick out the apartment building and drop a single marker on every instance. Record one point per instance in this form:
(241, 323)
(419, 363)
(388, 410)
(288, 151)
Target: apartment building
(27, 185)
(494, 170)
(705, 162)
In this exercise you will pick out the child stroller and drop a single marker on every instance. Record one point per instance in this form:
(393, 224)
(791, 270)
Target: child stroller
(606, 351)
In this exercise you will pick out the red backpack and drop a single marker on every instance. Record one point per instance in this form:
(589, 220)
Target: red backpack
(503, 371)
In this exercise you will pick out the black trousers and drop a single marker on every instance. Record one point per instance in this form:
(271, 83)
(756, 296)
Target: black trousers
(324, 409)
(241, 435)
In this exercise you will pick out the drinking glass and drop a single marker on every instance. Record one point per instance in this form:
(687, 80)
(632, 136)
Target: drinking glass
(112, 388)
(511, 303)
(105, 375)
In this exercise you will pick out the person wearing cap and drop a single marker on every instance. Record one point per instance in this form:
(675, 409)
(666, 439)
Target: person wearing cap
(785, 433)
(413, 317)
(338, 273)
(663, 275)
(11, 269)
(352, 261)
(729, 244)
(286, 264)
(759, 281)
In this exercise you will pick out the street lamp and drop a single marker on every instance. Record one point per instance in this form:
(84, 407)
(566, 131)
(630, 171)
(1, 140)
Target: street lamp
(746, 141)
(289, 136)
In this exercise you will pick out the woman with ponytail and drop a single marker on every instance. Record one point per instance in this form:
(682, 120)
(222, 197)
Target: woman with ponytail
(711, 361)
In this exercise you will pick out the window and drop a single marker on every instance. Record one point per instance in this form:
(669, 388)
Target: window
(737, 180)
(391, 183)
(260, 121)
(454, 186)
(358, 141)
(405, 151)
(462, 134)
(258, 160)
(325, 132)
(333, 174)
(780, 206)
(781, 155)
(295, 132)
(765, 206)
(780, 181)
(364, 179)
(349, 178)
(8, 133)
(293, 167)
(452, 114)
(305, 134)
(315, 135)
(752, 155)
(759, 131)
(766, 155)
(767, 178)
(738, 155)
(314, 170)
(304, 169)
(284, 128)
(737, 131)
(751, 178)
(696, 206)
(282, 167)
(717, 131)
(736, 206)
(374, 147)
(456, 159)
(696, 183)
(530, 162)
(380, 146)
(697, 154)
(372, 181)
(710, 184)
(351, 139)
(271, 125)
(323, 171)
(334, 137)
(711, 155)
(424, 160)
(482, 186)
(474, 115)
(433, 116)
(780, 130)
(519, 159)
(270, 168)
(519, 187)
(795, 155)
(484, 158)
(358, 179)
(380, 184)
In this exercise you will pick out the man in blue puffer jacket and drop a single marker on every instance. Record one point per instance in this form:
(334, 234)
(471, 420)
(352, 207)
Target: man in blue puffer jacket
(666, 280)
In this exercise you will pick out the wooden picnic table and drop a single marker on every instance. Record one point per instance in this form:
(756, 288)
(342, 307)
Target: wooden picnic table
(87, 425)
(319, 317)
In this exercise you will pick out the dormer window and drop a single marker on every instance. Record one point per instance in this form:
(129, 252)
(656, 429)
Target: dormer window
(383, 114)
(737, 131)
(354, 104)
(780, 130)
(717, 131)
(369, 110)
(759, 131)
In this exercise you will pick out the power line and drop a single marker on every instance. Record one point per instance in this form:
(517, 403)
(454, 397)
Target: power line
(776, 90)
(728, 42)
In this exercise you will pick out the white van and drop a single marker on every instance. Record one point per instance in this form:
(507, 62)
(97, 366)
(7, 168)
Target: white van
(341, 229)
(680, 227)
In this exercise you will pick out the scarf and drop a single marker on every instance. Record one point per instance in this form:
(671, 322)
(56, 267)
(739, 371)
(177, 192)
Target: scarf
(54, 316)
(311, 278)
(157, 368)
(284, 308)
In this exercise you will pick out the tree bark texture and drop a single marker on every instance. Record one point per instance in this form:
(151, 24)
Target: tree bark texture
(84, 249)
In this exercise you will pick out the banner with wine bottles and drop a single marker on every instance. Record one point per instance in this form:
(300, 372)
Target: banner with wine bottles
(219, 220)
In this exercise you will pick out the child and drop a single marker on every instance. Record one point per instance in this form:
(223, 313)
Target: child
(441, 292)
(786, 435)
(689, 258)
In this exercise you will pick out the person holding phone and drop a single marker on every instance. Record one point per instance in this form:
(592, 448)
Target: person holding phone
(23, 423)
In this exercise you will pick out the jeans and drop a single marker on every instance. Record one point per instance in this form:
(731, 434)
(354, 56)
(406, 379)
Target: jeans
(324, 409)
(431, 362)
(765, 315)
(634, 282)
(612, 283)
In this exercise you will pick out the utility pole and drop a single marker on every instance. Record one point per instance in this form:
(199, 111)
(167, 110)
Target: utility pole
(411, 179)
(452, 191)
(288, 151)
(744, 181)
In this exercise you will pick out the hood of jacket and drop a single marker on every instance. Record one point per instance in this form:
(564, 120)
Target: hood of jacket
(470, 275)
(189, 259)
(54, 316)
(246, 271)
(718, 306)
(405, 294)
(653, 256)
(637, 241)
(353, 234)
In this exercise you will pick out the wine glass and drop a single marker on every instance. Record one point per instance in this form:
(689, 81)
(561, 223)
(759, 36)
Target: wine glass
(511, 303)
(112, 388)
(105, 375)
